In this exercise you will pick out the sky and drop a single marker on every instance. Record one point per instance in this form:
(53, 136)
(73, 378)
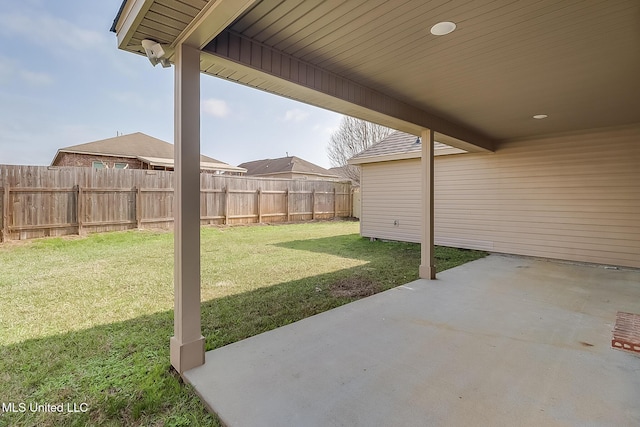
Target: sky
(64, 82)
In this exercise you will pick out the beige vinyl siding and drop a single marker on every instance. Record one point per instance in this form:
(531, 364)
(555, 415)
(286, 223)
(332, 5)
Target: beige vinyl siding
(574, 197)
(391, 191)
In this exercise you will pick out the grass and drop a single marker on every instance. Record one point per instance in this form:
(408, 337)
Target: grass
(88, 320)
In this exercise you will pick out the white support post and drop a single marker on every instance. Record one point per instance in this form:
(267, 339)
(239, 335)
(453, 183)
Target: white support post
(187, 344)
(427, 258)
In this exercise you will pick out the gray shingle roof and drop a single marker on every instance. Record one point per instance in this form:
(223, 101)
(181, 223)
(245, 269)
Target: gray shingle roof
(131, 145)
(396, 143)
(283, 164)
(341, 171)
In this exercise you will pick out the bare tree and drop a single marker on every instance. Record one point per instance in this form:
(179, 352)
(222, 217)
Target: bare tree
(352, 137)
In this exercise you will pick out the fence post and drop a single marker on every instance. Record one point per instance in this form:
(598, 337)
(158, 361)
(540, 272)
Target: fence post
(259, 206)
(286, 202)
(5, 208)
(226, 204)
(138, 207)
(79, 208)
(202, 205)
(351, 198)
(335, 203)
(313, 204)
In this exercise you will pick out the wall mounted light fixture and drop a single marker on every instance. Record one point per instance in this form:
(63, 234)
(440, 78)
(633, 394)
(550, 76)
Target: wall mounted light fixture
(155, 53)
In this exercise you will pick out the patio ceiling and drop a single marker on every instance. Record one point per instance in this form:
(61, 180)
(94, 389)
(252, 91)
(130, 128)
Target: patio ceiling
(577, 62)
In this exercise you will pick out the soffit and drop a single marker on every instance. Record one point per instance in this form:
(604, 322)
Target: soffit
(578, 62)
(159, 20)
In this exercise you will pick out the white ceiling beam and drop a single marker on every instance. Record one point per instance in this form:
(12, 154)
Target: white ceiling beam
(214, 17)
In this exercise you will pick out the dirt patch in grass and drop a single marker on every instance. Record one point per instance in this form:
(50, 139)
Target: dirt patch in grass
(353, 287)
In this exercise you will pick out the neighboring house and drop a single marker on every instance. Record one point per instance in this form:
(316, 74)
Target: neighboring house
(290, 167)
(554, 197)
(347, 173)
(132, 151)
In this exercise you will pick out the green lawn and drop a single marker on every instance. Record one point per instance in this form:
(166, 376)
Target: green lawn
(88, 320)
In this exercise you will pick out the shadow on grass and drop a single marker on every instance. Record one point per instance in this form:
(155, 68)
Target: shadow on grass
(346, 246)
(351, 246)
(121, 371)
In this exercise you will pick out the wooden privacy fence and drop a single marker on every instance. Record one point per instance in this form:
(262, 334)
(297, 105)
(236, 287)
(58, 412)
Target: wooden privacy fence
(39, 201)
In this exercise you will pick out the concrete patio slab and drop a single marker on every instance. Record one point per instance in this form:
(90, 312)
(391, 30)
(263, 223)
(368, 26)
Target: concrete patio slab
(499, 341)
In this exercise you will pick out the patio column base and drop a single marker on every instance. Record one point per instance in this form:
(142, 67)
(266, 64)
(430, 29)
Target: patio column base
(427, 272)
(185, 356)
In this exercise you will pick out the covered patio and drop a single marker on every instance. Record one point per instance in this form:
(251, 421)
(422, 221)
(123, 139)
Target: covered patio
(498, 341)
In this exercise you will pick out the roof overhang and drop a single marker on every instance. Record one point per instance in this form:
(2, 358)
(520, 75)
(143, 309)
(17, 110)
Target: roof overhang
(246, 62)
(221, 167)
(195, 23)
(156, 161)
(414, 154)
(169, 163)
(55, 158)
(140, 19)
(376, 60)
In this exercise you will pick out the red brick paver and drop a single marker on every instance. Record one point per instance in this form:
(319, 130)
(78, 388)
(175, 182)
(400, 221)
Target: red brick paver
(626, 333)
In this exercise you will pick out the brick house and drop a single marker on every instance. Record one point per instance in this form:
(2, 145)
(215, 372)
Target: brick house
(133, 151)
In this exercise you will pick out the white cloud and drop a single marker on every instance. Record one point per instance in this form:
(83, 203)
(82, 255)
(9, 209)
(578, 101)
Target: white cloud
(51, 32)
(36, 79)
(11, 69)
(62, 38)
(215, 107)
(295, 115)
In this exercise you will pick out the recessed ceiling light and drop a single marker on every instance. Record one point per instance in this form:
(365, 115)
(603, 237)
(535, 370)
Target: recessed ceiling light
(540, 116)
(442, 28)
